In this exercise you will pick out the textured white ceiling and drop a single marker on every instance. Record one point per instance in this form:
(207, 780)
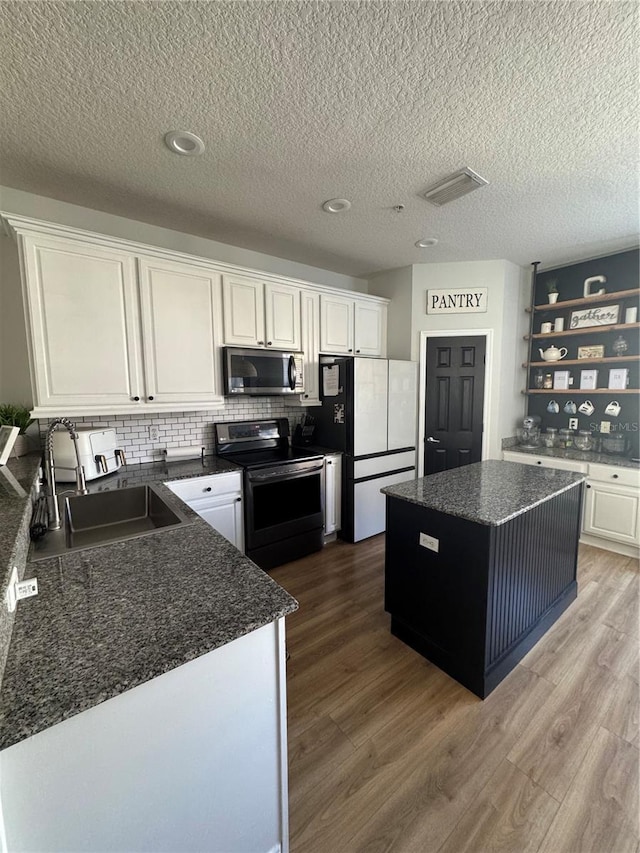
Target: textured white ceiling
(299, 102)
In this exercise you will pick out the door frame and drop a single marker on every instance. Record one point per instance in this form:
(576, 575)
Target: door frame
(487, 334)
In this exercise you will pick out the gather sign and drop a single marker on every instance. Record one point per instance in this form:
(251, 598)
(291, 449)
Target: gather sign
(457, 300)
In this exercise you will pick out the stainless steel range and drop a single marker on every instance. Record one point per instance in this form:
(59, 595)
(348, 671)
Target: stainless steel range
(283, 490)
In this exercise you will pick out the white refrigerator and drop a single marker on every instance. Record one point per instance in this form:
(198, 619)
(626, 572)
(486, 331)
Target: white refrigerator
(369, 413)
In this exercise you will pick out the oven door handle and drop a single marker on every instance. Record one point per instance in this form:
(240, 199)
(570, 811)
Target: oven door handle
(274, 477)
(293, 373)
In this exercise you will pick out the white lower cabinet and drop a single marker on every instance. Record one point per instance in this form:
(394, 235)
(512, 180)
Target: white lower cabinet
(333, 493)
(193, 760)
(612, 504)
(217, 498)
(611, 511)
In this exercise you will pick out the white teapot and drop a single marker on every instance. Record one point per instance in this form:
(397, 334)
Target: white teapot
(553, 353)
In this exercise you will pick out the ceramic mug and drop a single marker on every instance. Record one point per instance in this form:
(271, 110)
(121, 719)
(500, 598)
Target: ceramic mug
(553, 407)
(570, 407)
(613, 408)
(587, 408)
(545, 328)
(558, 324)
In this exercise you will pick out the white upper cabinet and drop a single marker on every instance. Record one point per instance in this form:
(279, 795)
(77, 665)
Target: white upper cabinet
(83, 317)
(107, 337)
(310, 305)
(181, 332)
(261, 314)
(352, 326)
(370, 328)
(336, 324)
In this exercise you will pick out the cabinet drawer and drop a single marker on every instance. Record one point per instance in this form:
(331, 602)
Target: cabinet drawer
(211, 485)
(546, 462)
(615, 475)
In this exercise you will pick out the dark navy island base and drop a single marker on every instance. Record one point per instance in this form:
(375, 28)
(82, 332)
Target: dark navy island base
(504, 570)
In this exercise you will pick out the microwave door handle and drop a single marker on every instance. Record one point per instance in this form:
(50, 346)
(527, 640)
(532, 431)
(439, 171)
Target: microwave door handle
(293, 373)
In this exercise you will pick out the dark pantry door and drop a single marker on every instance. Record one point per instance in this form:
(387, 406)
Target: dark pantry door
(454, 401)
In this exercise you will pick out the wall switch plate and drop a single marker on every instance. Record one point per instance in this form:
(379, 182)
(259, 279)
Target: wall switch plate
(573, 423)
(605, 426)
(429, 542)
(154, 434)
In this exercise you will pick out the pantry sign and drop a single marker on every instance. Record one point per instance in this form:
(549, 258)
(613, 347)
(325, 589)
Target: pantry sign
(457, 300)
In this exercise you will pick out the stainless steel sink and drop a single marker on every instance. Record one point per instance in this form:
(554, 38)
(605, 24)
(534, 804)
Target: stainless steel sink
(102, 518)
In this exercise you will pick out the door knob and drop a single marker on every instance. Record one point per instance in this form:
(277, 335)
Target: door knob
(433, 440)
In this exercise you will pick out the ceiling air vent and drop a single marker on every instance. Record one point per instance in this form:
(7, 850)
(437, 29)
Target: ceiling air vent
(456, 185)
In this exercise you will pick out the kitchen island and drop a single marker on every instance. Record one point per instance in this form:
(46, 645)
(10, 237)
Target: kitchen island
(142, 702)
(480, 561)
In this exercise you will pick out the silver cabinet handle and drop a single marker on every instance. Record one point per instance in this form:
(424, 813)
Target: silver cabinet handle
(433, 440)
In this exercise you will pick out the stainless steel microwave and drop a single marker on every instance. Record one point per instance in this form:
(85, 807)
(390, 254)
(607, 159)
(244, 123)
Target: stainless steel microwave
(258, 372)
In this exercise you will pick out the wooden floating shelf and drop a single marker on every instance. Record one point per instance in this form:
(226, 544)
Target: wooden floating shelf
(612, 392)
(590, 330)
(607, 360)
(589, 300)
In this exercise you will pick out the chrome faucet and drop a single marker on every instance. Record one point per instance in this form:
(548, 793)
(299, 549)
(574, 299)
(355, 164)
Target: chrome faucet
(81, 485)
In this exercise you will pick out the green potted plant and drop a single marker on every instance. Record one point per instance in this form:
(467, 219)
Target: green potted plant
(15, 414)
(552, 290)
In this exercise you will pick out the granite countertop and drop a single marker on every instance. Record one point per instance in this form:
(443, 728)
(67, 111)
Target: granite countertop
(576, 455)
(113, 617)
(490, 492)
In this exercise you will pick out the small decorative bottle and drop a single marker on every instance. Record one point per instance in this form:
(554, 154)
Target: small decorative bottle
(538, 379)
(547, 382)
(619, 346)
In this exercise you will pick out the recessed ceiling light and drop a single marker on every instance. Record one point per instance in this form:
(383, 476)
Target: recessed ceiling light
(183, 142)
(336, 205)
(427, 243)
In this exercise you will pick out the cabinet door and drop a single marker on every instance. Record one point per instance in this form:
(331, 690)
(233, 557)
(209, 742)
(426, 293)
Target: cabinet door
(612, 512)
(224, 514)
(181, 332)
(333, 494)
(370, 329)
(336, 325)
(282, 316)
(83, 322)
(243, 304)
(310, 306)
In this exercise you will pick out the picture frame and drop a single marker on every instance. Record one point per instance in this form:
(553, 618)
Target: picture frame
(588, 380)
(587, 318)
(8, 435)
(618, 378)
(591, 351)
(561, 380)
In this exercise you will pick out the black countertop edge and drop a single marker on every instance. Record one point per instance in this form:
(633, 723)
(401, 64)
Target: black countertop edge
(488, 493)
(111, 618)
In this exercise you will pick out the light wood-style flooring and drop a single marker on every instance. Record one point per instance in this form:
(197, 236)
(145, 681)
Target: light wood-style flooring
(387, 753)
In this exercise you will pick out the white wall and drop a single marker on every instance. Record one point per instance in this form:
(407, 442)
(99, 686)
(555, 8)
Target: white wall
(397, 286)
(61, 213)
(507, 287)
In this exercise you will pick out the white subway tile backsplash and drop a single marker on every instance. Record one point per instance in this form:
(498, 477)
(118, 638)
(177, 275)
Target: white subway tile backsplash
(182, 429)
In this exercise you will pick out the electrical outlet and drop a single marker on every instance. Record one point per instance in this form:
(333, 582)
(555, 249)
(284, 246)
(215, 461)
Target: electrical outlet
(154, 434)
(573, 423)
(605, 426)
(429, 542)
(25, 589)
